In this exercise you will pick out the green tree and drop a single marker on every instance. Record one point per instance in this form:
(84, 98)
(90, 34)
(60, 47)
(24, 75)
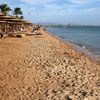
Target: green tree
(17, 12)
(21, 17)
(4, 8)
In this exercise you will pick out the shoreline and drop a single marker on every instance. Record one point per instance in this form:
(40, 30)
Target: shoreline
(42, 67)
(88, 53)
(91, 49)
(77, 47)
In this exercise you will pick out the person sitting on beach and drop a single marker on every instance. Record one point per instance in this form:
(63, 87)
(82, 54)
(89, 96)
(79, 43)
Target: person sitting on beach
(22, 29)
(33, 30)
(1, 35)
(36, 28)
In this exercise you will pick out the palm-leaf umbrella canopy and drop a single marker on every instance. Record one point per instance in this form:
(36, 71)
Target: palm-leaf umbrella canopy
(27, 22)
(6, 17)
(11, 23)
(1, 14)
(13, 19)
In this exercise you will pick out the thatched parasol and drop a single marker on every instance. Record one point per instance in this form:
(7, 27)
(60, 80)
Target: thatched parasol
(7, 17)
(10, 23)
(1, 14)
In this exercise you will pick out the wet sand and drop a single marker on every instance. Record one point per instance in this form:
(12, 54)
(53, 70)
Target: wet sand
(44, 68)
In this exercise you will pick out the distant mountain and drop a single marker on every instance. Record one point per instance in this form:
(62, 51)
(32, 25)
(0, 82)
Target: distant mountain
(49, 24)
(46, 23)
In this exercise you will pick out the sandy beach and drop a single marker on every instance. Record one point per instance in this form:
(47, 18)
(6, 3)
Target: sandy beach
(41, 67)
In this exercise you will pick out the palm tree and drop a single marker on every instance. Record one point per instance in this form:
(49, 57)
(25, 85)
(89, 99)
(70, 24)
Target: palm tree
(17, 11)
(5, 9)
(21, 17)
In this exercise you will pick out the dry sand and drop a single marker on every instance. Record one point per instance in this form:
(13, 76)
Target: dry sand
(45, 68)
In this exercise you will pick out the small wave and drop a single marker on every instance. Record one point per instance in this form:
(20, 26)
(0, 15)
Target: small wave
(83, 47)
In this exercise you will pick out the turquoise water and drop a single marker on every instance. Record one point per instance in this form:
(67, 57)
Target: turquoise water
(88, 37)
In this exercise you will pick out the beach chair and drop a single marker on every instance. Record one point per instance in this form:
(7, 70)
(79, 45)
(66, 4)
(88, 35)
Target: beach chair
(3, 35)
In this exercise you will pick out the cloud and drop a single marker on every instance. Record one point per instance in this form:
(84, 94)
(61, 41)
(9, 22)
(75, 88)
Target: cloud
(56, 10)
(36, 2)
(83, 1)
(48, 2)
(92, 10)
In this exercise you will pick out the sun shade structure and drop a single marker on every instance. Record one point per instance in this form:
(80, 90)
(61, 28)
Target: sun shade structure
(12, 24)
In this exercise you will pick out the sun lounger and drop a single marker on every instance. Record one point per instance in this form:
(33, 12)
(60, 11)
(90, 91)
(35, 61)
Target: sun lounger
(3, 35)
(12, 34)
(34, 33)
(38, 33)
(20, 35)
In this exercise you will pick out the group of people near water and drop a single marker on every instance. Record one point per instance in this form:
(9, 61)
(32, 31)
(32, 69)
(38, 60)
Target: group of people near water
(35, 29)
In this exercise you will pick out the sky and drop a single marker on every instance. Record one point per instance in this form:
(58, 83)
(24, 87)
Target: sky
(82, 12)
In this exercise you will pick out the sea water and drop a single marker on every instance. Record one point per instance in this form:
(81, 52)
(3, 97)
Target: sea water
(88, 37)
